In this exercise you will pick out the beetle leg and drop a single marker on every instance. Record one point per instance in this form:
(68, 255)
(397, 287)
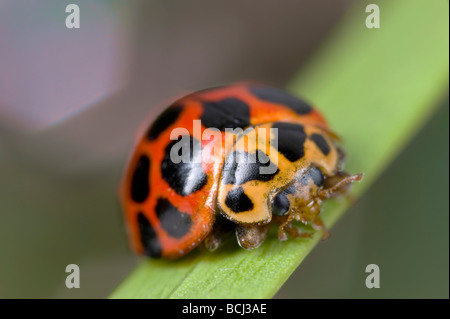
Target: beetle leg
(286, 228)
(318, 224)
(283, 228)
(292, 231)
(251, 236)
(338, 185)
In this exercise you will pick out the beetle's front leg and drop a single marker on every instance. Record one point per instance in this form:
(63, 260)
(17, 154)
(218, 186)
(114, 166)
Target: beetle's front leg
(251, 236)
(318, 224)
(286, 228)
(338, 184)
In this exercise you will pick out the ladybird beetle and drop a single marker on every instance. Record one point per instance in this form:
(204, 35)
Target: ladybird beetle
(239, 157)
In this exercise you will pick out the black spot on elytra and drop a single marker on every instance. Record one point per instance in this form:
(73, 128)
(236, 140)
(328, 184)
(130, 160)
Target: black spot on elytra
(164, 120)
(140, 187)
(237, 201)
(241, 167)
(227, 113)
(185, 177)
(291, 138)
(152, 246)
(174, 222)
(321, 143)
(280, 97)
(315, 174)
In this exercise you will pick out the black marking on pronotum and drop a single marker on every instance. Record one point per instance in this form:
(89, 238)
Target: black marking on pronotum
(174, 222)
(280, 97)
(291, 138)
(241, 167)
(238, 201)
(280, 204)
(184, 178)
(140, 187)
(321, 143)
(167, 118)
(290, 189)
(315, 174)
(152, 246)
(227, 113)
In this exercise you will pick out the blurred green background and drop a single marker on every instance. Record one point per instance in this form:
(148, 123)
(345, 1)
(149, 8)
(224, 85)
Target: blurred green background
(72, 101)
